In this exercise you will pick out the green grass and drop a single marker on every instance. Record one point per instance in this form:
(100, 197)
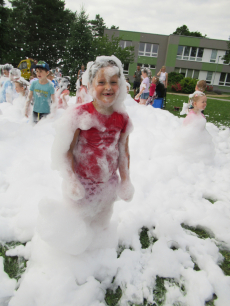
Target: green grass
(112, 297)
(225, 265)
(13, 266)
(217, 112)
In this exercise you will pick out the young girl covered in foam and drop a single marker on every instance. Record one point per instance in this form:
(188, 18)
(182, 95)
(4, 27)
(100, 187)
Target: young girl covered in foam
(200, 87)
(95, 145)
(22, 88)
(193, 140)
(63, 92)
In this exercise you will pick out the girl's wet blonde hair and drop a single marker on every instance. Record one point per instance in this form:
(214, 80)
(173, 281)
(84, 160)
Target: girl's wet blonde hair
(194, 98)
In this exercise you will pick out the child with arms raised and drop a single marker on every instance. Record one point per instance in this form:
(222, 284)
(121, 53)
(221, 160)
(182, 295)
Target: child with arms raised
(42, 91)
(99, 145)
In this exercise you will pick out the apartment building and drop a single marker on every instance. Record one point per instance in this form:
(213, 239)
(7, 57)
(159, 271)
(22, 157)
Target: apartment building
(195, 57)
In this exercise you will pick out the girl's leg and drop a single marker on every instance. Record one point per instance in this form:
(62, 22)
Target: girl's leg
(142, 101)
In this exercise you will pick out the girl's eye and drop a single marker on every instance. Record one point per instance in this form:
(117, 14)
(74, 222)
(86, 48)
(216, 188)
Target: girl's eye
(114, 82)
(101, 82)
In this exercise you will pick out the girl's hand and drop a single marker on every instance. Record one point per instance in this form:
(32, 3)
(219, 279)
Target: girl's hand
(125, 190)
(73, 189)
(137, 96)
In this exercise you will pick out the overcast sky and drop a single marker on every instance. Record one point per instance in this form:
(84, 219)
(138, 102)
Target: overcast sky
(211, 17)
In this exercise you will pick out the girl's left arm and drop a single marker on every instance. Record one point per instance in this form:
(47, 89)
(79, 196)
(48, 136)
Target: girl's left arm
(123, 161)
(126, 189)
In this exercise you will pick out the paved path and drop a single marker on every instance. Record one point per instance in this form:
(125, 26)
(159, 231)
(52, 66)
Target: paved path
(209, 97)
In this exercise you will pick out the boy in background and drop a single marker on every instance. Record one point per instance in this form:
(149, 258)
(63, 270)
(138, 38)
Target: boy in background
(42, 91)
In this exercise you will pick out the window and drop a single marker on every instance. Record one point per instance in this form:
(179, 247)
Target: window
(125, 43)
(125, 68)
(23, 65)
(146, 49)
(224, 79)
(213, 56)
(147, 66)
(188, 73)
(190, 53)
(209, 77)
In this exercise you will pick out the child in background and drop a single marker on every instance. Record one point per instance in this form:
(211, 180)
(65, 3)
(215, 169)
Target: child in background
(152, 91)
(198, 102)
(50, 77)
(127, 85)
(5, 82)
(33, 76)
(9, 91)
(99, 145)
(200, 87)
(192, 138)
(21, 87)
(42, 91)
(81, 94)
(63, 92)
(144, 88)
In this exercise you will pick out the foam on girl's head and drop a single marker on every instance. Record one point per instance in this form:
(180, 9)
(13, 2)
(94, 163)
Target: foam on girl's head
(15, 74)
(22, 82)
(102, 62)
(114, 67)
(201, 85)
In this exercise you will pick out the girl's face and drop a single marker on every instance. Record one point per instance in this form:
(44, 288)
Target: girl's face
(105, 86)
(19, 88)
(154, 80)
(6, 73)
(163, 69)
(201, 103)
(144, 75)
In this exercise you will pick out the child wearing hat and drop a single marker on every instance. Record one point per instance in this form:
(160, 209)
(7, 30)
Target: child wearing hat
(42, 91)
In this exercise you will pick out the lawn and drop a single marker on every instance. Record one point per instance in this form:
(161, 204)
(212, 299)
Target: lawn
(217, 111)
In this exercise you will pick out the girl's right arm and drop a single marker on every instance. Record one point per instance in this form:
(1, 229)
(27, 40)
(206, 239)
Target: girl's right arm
(29, 98)
(72, 186)
(69, 154)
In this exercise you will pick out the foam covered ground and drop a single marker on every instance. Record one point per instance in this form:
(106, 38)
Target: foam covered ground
(171, 188)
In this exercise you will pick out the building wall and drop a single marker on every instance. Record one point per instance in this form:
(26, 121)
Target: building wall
(167, 54)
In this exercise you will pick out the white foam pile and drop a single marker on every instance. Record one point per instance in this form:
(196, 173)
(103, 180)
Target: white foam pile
(171, 187)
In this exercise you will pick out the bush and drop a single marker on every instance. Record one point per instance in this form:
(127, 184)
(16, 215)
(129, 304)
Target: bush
(174, 77)
(209, 88)
(177, 87)
(188, 85)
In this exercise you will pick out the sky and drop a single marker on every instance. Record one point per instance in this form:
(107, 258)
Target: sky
(209, 17)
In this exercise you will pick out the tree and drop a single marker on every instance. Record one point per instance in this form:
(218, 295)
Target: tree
(79, 46)
(113, 27)
(97, 26)
(106, 46)
(183, 30)
(226, 57)
(4, 31)
(40, 30)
